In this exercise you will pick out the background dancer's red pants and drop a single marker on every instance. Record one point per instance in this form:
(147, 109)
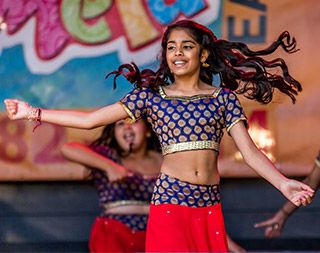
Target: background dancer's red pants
(108, 235)
(175, 228)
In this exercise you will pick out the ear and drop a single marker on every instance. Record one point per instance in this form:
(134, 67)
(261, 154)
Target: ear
(204, 55)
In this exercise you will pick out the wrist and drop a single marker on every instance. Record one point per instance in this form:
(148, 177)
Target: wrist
(34, 114)
(284, 212)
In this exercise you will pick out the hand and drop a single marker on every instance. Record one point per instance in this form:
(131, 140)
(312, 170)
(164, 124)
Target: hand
(118, 173)
(234, 247)
(297, 192)
(274, 225)
(17, 109)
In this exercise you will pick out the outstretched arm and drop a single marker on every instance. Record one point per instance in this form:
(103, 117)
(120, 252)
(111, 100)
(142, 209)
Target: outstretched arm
(274, 225)
(298, 193)
(82, 154)
(17, 109)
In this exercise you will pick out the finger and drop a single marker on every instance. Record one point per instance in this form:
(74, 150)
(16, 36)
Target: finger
(262, 224)
(268, 232)
(307, 188)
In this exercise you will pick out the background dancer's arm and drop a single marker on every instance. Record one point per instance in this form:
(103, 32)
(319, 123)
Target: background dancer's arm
(80, 153)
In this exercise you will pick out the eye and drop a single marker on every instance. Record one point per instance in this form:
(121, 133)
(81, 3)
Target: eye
(170, 47)
(188, 47)
(120, 123)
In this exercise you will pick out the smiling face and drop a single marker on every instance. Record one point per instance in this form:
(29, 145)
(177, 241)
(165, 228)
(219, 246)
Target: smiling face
(183, 53)
(131, 134)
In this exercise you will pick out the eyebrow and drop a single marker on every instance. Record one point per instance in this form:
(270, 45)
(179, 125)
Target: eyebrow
(184, 41)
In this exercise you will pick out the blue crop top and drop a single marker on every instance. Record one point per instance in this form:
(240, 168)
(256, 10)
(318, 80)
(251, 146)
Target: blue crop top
(185, 123)
(136, 189)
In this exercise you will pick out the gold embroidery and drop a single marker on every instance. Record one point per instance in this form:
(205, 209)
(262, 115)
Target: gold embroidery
(235, 122)
(124, 203)
(190, 145)
(190, 98)
(131, 118)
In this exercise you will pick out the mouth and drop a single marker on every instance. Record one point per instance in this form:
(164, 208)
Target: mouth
(129, 137)
(179, 63)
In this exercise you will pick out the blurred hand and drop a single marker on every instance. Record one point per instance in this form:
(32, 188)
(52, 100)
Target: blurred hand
(118, 173)
(17, 109)
(297, 192)
(234, 247)
(274, 225)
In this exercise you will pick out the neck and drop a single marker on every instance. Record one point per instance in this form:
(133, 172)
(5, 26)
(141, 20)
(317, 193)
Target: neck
(187, 82)
(139, 153)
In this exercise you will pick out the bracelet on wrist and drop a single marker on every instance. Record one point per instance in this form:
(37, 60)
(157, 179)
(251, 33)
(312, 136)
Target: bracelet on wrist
(34, 114)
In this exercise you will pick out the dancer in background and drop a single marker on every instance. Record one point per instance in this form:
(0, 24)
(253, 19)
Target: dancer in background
(274, 225)
(123, 163)
(188, 114)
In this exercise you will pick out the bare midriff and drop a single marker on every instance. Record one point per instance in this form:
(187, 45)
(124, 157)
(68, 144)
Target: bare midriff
(194, 166)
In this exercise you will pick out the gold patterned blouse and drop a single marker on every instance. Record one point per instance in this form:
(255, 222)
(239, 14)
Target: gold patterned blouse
(185, 123)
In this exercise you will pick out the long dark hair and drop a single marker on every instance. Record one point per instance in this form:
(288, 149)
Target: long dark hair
(241, 69)
(107, 138)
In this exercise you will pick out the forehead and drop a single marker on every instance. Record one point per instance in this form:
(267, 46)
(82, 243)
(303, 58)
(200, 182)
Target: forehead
(180, 35)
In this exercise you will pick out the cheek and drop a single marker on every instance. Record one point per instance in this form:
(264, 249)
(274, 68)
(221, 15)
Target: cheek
(118, 135)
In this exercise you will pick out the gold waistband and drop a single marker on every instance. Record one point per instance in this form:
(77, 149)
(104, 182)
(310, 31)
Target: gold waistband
(191, 145)
(124, 203)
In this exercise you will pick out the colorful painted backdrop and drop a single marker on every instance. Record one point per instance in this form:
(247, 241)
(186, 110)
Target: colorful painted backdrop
(56, 53)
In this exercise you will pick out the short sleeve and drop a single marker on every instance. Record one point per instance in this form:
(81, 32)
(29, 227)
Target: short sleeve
(233, 111)
(105, 151)
(135, 103)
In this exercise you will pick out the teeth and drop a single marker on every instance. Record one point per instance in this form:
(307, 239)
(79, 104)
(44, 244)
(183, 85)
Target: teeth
(129, 137)
(179, 62)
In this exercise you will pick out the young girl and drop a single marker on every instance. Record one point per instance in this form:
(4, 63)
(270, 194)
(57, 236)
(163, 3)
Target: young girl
(123, 164)
(189, 114)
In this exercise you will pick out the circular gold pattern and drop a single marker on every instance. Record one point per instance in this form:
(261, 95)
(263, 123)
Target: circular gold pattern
(193, 137)
(160, 113)
(186, 115)
(143, 95)
(202, 121)
(182, 138)
(176, 132)
(164, 105)
(176, 116)
(181, 123)
(166, 119)
(197, 129)
(196, 114)
(191, 107)
(180, 108)
(192, 122)
(187, 130)
(170, 110)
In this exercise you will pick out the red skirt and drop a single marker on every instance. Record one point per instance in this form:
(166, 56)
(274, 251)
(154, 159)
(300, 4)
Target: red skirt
(176, 228)
(109, 235)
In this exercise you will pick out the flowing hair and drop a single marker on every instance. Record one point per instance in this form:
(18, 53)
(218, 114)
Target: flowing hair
(241, 69)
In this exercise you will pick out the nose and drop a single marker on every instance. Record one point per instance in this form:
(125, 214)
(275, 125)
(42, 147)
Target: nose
(178, 51)
(127, 125)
